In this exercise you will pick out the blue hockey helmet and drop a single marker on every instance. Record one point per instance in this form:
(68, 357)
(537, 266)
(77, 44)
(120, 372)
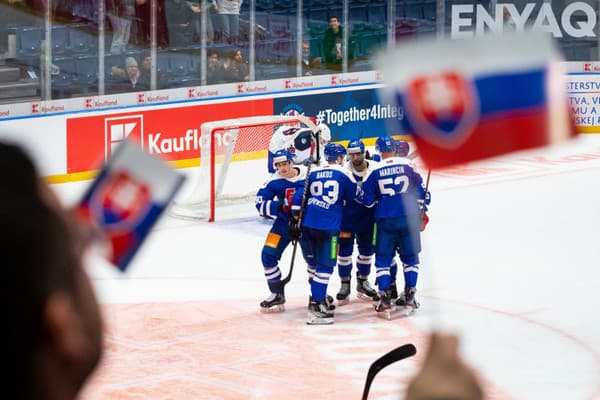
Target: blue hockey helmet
(282, 156)
(333, 151)
(356, 146)
(385, 144)
(402, 148)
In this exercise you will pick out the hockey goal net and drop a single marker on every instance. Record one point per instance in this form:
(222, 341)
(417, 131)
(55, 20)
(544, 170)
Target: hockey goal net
(233, 164)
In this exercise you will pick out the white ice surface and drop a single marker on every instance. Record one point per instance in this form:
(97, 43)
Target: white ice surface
(511, 262)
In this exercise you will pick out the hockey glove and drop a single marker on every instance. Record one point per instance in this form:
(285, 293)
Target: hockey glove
(283, 206)
(424, 221)
(294, 229)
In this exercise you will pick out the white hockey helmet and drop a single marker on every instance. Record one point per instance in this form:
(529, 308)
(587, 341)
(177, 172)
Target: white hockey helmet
(325, 132)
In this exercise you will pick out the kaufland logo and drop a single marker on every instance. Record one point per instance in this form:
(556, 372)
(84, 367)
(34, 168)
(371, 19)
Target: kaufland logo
(298, 84)
(195, 93)
(141, 97)
(335, 80)
(245, 88)
(89, 103)
(119, 129)
(35, 108)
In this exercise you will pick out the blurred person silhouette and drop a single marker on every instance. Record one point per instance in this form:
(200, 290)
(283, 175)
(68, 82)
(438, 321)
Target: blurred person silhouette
(310, 64)
(121, 14)
(334, 45)
(143, 19)
(55, 330)
(180, 22)
(229, 20)
(214, 69)
(210, 9)
(145, 68)
(235, 68)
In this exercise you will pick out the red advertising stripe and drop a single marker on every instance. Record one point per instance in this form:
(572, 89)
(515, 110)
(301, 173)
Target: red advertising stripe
(172, 134)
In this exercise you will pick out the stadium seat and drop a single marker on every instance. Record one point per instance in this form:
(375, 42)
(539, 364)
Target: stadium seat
(376, 14)
(64, 78)
(29, 40)
(60, 39)
(274, 71)
(357, 13)
(81, 39)
(86, 70)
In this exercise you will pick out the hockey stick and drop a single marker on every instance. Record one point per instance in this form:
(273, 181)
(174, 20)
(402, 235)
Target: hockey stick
(425, 195)
(287, 279)
(400, 353)
(308, 122)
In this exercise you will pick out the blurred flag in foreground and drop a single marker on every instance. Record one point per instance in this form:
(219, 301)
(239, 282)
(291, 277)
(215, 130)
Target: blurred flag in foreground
(126, 199)
(468, 99)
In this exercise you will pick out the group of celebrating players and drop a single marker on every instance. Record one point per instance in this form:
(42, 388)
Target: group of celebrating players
(380, 205)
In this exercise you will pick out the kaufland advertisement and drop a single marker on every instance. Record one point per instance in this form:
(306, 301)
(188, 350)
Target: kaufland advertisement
(172, 134)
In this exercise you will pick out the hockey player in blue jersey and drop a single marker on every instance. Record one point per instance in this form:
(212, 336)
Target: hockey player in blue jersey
(395, 189)
(329, 187)
(357, 225)
(274, 200)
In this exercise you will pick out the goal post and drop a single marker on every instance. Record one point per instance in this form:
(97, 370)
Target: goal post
(232, 163)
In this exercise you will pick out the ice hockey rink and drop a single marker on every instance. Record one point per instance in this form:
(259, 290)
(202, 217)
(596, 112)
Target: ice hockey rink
(511, 263)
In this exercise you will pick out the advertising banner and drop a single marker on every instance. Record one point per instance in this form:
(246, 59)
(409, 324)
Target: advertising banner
(350, 114)
(172, 134)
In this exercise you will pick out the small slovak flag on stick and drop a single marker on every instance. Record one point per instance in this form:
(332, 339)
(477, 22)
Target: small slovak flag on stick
(127, 198)
(469, 99)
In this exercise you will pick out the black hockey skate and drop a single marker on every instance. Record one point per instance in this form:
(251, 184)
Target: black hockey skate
(274, 303)
(329, 302)
(343, 296)
(393, 291)
(318, 313)
(384, 306)
(407, 300)
(365, 291)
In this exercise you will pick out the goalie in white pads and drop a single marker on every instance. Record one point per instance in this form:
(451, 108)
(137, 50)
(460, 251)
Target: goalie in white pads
(274, 200)
(298, 141)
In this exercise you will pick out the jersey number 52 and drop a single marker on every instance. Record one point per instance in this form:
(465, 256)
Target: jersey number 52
(393, 186)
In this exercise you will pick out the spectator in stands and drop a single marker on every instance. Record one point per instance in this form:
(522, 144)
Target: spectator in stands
(310, 64)
(235, 68)
(229, 19)
(146, 72)
(143, 19)
(214, 69)
(132, 81)
(54, 340)
(211, 8)
(180, 22)
(120, 13)
(334, 46)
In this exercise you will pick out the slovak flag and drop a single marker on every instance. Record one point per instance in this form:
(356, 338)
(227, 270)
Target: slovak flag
(469, 99)
(126, 200)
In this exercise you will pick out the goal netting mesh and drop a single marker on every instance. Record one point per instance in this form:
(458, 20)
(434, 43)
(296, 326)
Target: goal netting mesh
(233, 164)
